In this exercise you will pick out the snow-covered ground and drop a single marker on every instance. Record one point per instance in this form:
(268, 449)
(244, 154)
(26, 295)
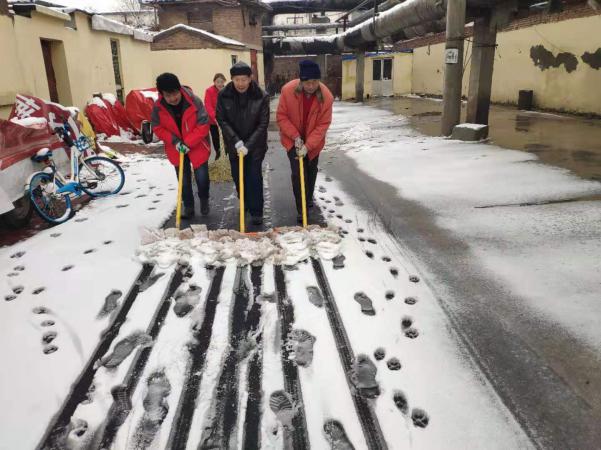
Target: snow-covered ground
(497, 201)
(53, 287)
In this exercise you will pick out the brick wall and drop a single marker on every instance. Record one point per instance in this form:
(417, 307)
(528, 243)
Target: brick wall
(286, 68)
(571, 11)
(182, 40)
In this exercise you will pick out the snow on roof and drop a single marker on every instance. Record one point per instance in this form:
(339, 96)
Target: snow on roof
(109, 98)
(101, 23)
(215, 37)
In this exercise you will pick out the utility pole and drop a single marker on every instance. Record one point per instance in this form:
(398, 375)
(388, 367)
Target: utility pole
(483, 58)
(451, 110)
(359, 75)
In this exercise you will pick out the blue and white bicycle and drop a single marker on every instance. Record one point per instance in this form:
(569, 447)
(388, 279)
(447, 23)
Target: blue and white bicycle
(51, 192)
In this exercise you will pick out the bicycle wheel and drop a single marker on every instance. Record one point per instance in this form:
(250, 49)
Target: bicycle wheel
(100, 176)
(52, 207)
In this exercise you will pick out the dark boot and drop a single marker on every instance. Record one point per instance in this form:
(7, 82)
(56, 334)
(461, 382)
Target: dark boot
(204, 206)
(187, 213)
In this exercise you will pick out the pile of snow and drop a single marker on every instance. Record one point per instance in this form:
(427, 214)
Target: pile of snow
(111, 98)
(286, 246)
(154, 95)
(32, 122)
(96, 101)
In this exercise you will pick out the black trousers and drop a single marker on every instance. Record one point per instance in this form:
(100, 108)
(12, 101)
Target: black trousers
(253, 181)
(201, 174)
(215, 140)
(310, 167)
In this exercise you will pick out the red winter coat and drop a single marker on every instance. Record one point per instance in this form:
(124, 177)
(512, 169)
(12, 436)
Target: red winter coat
(195, 129)
(211, 95)
(290, 117)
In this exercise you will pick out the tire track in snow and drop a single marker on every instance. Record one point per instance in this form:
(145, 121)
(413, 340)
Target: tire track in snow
(116, 415)
(180, 429)
(365, 412)
(300, 439)
(79, 391)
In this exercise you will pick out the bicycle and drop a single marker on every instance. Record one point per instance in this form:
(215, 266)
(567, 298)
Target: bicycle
(51, 192)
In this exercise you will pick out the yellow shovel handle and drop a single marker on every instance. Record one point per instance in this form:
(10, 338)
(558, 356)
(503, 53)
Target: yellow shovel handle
(180, 186)
(301, 166)
(241, 190)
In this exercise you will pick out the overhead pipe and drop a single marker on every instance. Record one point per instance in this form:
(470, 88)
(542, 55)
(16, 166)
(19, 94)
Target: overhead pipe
(309, 6)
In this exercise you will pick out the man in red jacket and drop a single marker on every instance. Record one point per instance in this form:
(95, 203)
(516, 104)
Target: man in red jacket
(180, 120)
(304, 115)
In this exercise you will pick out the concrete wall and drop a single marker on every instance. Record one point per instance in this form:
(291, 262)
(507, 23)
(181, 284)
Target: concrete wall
(401, 74)
(525, 59)
(82, 60)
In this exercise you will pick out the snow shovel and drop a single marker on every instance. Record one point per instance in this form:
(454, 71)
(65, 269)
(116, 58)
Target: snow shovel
(180, 186)
(301, 167)
(241, 190)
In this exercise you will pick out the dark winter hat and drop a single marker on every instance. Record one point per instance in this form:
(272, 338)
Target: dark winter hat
(241, 68)
(167, 82)
(309, 70)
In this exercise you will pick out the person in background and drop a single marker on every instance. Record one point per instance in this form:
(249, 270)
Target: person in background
(180, 120)
(210, 104)
(243, 115)
(304, 115)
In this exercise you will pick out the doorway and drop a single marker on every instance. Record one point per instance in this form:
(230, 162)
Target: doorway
(57, 74)
(253, 65)
(50, 74)
(116, 55)
(382, 78)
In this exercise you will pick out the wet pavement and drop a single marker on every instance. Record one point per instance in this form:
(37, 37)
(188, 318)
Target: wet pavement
(561, 140)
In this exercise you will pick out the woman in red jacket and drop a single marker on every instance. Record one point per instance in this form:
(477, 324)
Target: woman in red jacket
(180, 120)
(211, 103)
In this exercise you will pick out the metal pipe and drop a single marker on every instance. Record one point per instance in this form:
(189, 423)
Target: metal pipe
(302, 26)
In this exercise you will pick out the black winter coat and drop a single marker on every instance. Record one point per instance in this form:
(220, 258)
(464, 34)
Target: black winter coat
(245, 121)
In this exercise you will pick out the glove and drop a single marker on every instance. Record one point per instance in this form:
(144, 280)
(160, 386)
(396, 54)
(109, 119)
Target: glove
(182, 148)
(241, 148)
(301, 152)
(298, 142)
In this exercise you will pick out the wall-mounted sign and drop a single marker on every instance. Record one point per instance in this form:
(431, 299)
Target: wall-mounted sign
(451, 56)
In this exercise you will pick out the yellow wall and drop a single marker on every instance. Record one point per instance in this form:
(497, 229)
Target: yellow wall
(554, 88)
(196, 68)
(81, 58)
(401, 75)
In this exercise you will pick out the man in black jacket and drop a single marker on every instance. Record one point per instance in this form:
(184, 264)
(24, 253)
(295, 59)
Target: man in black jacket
(243, 115)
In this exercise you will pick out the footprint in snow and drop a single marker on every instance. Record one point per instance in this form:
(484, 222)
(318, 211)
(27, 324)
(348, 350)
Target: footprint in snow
(186, 301)
(315, 296)
(125, 205)
(150, 281)
(19, 268)
(124, 347)
(300, 347)
(47, 323)
(155, 409)
(77, 430)
(156, 201)
(67, 267)
(284, 408)
(10, 297)
(363, 377)
(90, 250)
(360, 230)
(394, 272)
(410, 300)
(367, 307)
(393, 364)
(328, 179)
(389, 295)
(414, 279)
(39, 290)
(48, 337)
(336, 435)
(400, 400)
(151, 208)
(40, 310)
(420, 418)
(110, 303)
(107, 242)
(411, 333)
(369, 254)
(49, 349)
(12, 274)
(122, 403)
(140, 195)
(371, 241)
(54, 235)
(17, 255)
(386, 259)
(338, 203)
(348, 221)
(361, 239)
(81, 219)
(18, 289)
(380, 353)
(338, 261)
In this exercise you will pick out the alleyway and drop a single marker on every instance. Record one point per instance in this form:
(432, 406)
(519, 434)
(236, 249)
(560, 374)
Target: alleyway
(468, 285)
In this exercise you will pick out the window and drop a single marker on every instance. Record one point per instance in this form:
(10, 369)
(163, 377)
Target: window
(117, 69)
(387, 75)
(377, 70)
(234, 59)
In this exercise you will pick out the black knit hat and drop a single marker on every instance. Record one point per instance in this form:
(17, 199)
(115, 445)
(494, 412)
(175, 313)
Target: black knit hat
(168, 82)
(241, 68)
(309, 70)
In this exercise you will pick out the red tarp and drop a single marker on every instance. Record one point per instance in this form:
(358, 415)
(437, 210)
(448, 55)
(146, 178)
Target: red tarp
(138, 105)
(101, 118)
(18, 142)
(120, 115)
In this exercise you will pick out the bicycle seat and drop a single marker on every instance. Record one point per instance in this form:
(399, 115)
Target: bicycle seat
(42, 155)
